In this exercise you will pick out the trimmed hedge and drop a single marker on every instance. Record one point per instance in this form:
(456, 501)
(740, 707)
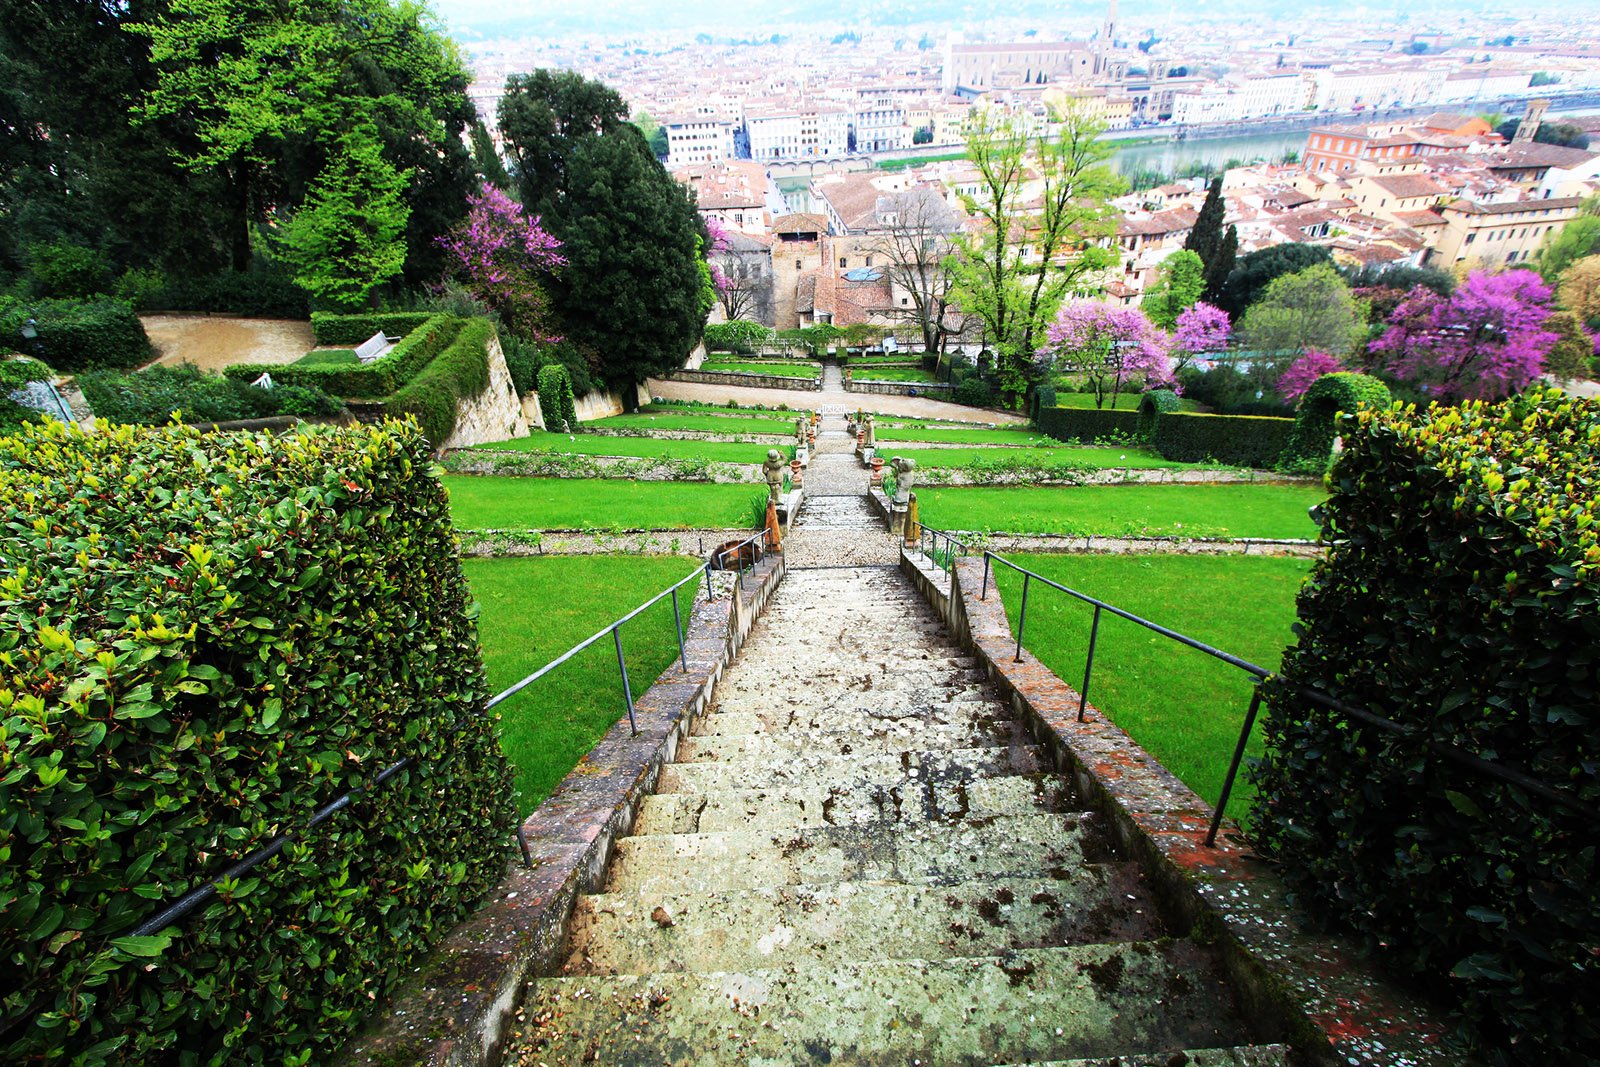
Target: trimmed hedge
(1459, 599)
(79, 335)
(215, 635)
(1345, 391)
(379, 378)
(460, 372)
(555, 399)
(1152, 405)
(1043, 399)
(331, 329)
(1237, 440)
(149, 397)
(1087, 425)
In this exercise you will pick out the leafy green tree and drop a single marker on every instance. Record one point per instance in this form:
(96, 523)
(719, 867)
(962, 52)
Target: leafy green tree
(486, 159)
(1573, 352)
(1401, 277)
(1310, 309)
(1015, 270)
(348, 238)
(1562, 248)
(1179, 285)
(636, 289)
(1579, 291)
(1255, 271)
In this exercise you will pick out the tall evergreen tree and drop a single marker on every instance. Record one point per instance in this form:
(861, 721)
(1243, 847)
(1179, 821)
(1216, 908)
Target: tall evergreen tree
(1205, 240)
(1221, 265)
(486, 158)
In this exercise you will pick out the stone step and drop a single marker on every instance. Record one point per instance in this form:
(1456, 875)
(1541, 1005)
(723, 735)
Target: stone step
(915, 853)
(821, 687)
(1033, 1004)
(804, 717)
(885, 768)
(851, 922)
(801, 806)
(867, 737)
(1242, 1056)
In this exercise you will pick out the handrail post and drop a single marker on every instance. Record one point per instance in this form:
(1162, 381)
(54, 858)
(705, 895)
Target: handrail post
(1233, 767)
(1088, 666)
(677, 619)
(983, 593)
(627, 689)
(1022, 616)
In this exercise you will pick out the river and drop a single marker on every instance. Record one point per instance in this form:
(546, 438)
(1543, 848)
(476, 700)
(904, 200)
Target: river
(1169, 157)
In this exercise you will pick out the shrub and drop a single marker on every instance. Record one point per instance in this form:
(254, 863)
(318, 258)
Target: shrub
(523, 360)
(151, 396)
(380, 378)
(1311, 443)
(973, 391)
(736, 336)
(1237, 440)
(1044, 398)
(1457, 599)
(1152, 406)
(16, 374)
(223, 634)
(67, 271)
(1087, 425)
(79, 335)
(263, 290)
(555, 400)
(331, 329)
(460, 372)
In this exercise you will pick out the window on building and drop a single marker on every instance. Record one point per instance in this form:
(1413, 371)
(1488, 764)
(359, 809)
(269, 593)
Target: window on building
(843, 262)
(869, 261)
(798, 264)
(1470, 238)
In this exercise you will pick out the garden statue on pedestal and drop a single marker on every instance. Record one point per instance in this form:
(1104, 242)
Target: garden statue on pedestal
(773, 470)
(800, 435)
(904, 477)
(871, 440)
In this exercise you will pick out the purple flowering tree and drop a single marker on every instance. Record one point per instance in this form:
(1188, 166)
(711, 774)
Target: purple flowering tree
(1311, 365)
(1484, 342)
(1116, 347)
(1201, 329)
(501, 256)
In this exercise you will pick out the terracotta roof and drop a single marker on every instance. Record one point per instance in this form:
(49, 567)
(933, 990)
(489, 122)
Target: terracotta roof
(1534, 154)
(1469, 207)
(1419, 219)
(1406, 186)
(800, 222)
(720, 186)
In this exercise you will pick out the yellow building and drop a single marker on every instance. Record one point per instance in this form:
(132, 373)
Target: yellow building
(1496, 235)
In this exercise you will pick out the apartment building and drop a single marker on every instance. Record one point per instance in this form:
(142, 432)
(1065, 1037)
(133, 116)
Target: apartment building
(1497, 235)
(1235, 99)
(813, 132)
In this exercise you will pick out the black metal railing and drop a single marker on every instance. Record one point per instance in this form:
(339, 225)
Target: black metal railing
(1460, 757)
(929, 540)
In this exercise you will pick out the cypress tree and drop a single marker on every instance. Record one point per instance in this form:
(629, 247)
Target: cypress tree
(1205, 240)
(1218, 269)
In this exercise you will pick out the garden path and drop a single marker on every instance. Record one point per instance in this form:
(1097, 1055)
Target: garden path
(860, 857)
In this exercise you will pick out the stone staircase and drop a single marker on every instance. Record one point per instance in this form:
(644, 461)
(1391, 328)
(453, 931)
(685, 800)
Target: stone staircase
(860, 858)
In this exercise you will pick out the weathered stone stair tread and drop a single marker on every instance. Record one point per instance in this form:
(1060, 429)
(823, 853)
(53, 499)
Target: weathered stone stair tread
(797, 806)
(919, 853)
(1034, 1004)
(792, 768)
(1241, 1056)
(805, 718)
(822, 926)
(825, 693)
(884, 736)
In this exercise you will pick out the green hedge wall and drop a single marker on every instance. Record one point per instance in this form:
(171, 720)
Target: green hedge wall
(460, 372)
(379, 378)
(1458, 598)
(1152, 405)
(351, 330)
(78, 335)
(1086, 425)
(214, 636)
(556, 401)
(1237, 440)
(1312, 440)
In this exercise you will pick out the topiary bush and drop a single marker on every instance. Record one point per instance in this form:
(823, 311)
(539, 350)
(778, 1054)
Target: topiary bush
(1237, 440)
(1457, 599)
(555, 400)
(1152, 405)
(216, 635)
(1043, 399)
(1087, 425)
(460, 372)
(151, 396)
(351, 330)
(380, 378)
(78, 335)
(1311, 443)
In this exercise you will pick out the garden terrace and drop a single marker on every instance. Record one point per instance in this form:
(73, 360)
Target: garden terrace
(1087, 456)
(1021, 436)
(914, 375)
(507, 503)
(778, 368)
(639, 447)
(1182, 511)
(721, 424)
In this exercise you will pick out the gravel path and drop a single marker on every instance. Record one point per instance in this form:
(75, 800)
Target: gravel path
(212, 342)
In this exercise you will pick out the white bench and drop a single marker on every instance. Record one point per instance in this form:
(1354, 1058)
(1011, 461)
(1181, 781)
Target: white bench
(373, 347)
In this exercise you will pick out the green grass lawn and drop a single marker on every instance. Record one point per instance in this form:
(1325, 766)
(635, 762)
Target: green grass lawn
(507, 503)
(1099, 457)
(328, 357)
(644, 420)
(1181, 705)
(892, 374)
(1125, 402)
(535, 608)
(643, 447)
(1021, 435)
(682, 407)
(1229, 510)
(782, 370)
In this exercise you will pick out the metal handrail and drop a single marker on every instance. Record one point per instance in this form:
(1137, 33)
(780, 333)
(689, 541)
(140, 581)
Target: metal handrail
(927, 535)
(1452, 753)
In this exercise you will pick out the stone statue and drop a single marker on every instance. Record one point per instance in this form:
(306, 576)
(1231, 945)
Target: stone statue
(773, 470)
(904, 478)
(800, 430)
(872, 432)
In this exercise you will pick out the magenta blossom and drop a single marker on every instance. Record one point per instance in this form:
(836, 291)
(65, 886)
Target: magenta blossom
(501, 254)
(1116, 347)
(1202, 329)
(1311, 365)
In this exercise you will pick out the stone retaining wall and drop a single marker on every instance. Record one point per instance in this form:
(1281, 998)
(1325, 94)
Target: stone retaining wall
(696, 542)
(754, 381)
(496, 414)
(456, 1010)
(931, 390)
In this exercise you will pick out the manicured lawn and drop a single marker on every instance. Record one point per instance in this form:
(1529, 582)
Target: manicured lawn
(1125, 402)
(1181, 705)
(1099, 457)
(1022, 435)
(644, 447)
(699, 423)
(1271, 510)
(682, 407)
(533, 610)
(781, 370)
(891, 374)
(329, 357)
(504, 503)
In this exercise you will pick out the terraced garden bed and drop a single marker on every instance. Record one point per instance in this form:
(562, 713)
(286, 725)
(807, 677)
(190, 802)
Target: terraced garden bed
(490, 502)
(1271, 510)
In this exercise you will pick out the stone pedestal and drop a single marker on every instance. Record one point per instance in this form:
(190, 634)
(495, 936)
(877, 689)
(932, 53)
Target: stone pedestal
(897, 517)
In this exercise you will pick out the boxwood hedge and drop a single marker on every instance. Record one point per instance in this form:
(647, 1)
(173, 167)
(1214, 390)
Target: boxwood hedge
(1312, 440)
(1086, 425)
(1458, 598)
(203, 638)
(460, 372)
(1238, 440)
(1152, 405)
(78, 335)
(379, 378)
(331, 329)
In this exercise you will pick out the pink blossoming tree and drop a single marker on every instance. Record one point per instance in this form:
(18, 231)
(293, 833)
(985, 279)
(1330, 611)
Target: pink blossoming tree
(1201, 329)
(1486, 341)
(501, 255)
(1311, 365)
(1117, 347)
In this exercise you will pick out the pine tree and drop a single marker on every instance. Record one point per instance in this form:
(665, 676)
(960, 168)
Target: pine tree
(1205, 240)
(1218, 269)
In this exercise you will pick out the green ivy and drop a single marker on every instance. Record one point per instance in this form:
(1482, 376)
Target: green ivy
(213, 636)
(1458, 599)
(1312, 441)
(460, 372)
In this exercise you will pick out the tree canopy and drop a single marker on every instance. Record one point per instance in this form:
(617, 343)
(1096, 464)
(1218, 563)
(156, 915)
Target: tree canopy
(1309, 309)
(1253, 272)
(1178, 285)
